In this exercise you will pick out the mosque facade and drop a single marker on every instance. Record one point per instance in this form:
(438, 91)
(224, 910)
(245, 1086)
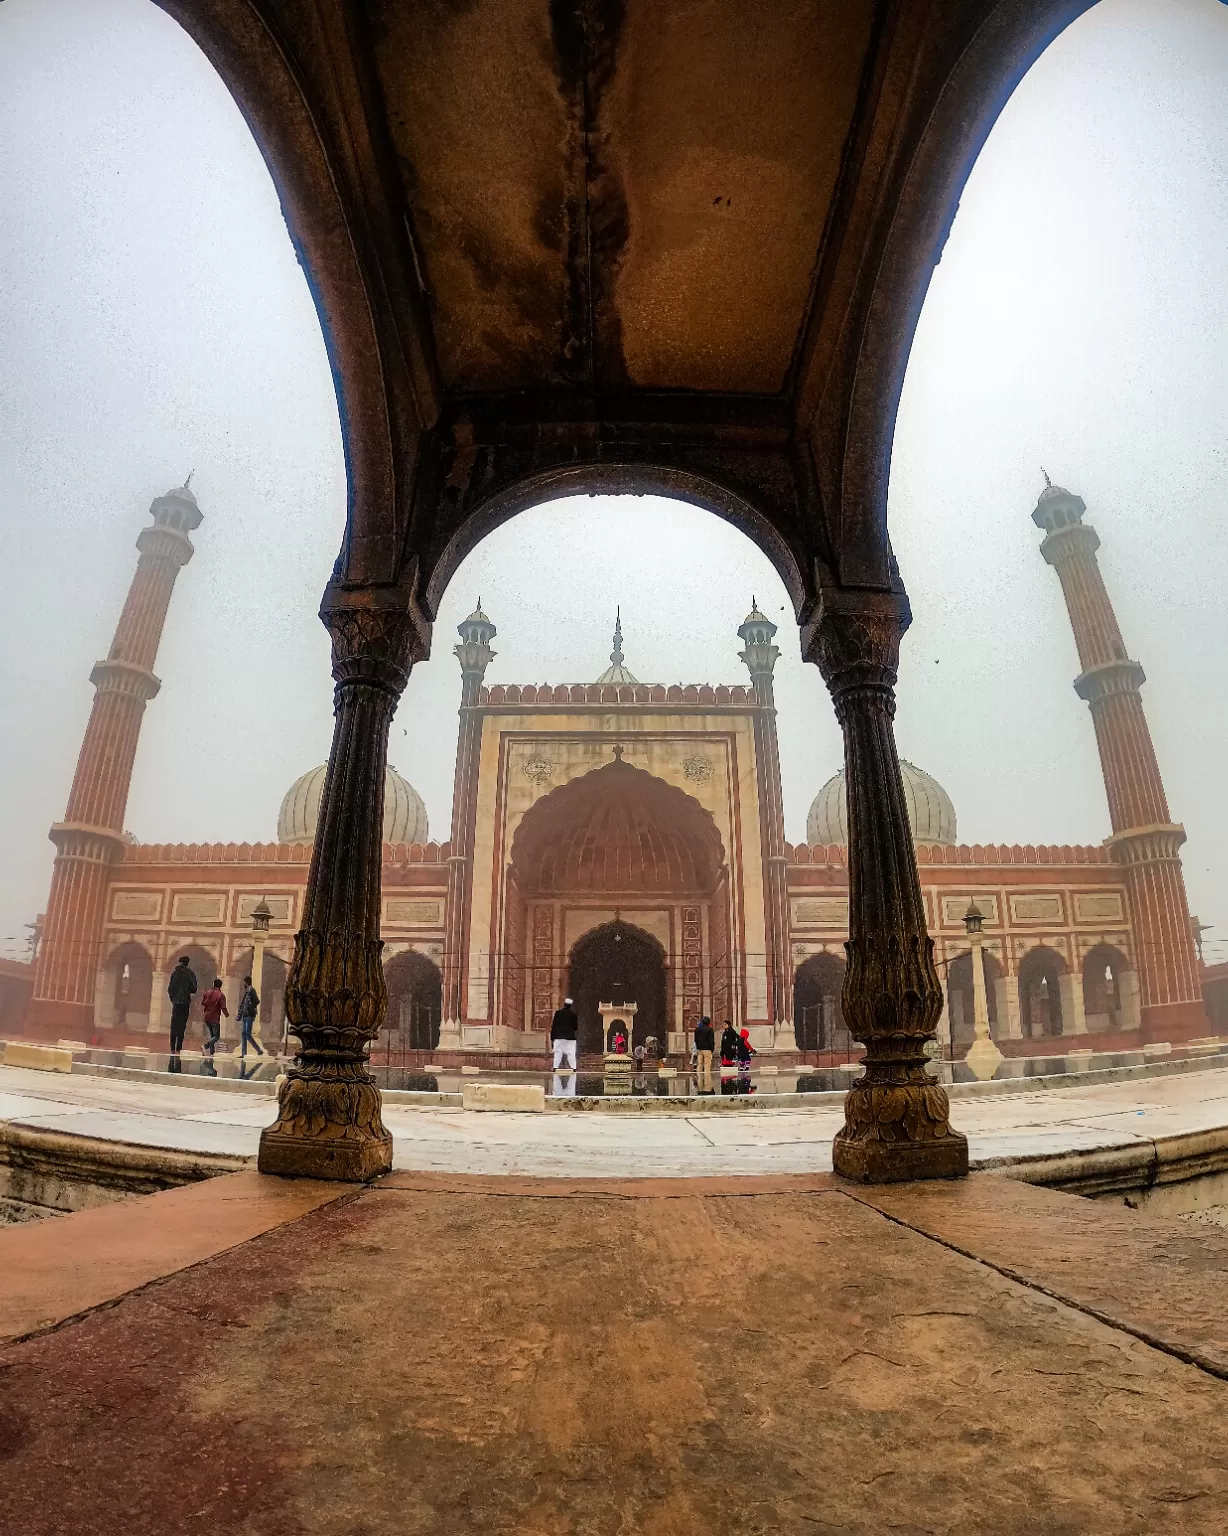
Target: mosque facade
(619, 841)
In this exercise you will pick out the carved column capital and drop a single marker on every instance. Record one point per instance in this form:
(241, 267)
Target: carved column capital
(378, 633)
(855, 642)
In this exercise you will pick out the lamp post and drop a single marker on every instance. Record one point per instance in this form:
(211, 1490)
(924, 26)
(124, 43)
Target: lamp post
(983, 1055)
(261, 916)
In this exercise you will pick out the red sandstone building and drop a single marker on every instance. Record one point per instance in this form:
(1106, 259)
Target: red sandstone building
(625, 842)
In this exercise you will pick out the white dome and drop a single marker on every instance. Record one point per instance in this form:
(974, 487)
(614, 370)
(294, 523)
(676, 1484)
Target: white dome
(404, 813)
(930, 812)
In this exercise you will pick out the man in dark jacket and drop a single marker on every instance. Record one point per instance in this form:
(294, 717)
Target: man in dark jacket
(563, 1033)
(181, 990)
(705, 1044)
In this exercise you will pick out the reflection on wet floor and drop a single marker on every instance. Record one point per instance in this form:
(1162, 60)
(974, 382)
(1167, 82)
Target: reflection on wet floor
(763, 1079)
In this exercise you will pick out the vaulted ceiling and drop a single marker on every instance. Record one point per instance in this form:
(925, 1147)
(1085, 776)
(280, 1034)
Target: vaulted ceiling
(575, 244)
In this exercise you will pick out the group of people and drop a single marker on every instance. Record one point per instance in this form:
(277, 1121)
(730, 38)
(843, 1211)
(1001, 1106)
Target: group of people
(183, 987)
(736, 1051)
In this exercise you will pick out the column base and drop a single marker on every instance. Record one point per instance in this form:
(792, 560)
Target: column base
(306, 1157)
(326, 1128)
(897, 1162)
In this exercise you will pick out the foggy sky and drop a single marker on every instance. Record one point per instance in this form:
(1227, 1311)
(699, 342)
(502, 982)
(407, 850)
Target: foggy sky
(153, 320)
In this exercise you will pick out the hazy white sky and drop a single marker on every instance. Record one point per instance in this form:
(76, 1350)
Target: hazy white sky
(153, 320)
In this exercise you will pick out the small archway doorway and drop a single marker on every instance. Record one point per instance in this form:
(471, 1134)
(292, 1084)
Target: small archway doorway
(129, 973)
(1103, 992)
(818, 1019)
(1040, 992)
(618, 963)
(415, 1002)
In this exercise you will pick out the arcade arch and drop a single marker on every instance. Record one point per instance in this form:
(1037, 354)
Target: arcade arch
(415, 1002)
(1040, 992)
(126, 994)
(818, 1017)
(1106, 989)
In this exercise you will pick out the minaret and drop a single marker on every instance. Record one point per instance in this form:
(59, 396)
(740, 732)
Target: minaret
(90, 839)
(1145, 839)
(475, 655)
(760, 655)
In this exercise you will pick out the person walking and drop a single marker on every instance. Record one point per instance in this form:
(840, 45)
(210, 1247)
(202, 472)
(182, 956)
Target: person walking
(249, 1007)
(705, 1044)
(180, 990)
(213, 1006)
(745, 1052)
(563, 1034)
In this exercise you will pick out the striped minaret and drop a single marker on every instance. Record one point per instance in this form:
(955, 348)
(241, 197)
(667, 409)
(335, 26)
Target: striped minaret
(1145, 840)
(90, 838)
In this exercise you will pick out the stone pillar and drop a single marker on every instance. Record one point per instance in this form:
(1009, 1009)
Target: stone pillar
(1006, 995)
(1128, 1012)
(159, 1004)
(1074, 1016)
(328, 1123)
(897, 1123)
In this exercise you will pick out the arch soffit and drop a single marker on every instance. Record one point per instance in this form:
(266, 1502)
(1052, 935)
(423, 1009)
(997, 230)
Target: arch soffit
(851, 431)
(1038, 954)
(121, 950)
(605, 924)
(573, 801)
(711, 492)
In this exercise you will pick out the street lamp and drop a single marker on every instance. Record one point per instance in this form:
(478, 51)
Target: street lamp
(261, 917)
(983, 1056)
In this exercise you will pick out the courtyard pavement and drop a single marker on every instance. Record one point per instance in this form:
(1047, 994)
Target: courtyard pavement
(1002, 1128)
(440, 1354)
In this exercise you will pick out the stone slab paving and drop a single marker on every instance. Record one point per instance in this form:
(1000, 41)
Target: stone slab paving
(441, 1354)
(1001, 1128)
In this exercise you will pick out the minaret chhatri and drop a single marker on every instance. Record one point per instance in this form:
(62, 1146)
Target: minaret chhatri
(1145, 840)
(90, 839)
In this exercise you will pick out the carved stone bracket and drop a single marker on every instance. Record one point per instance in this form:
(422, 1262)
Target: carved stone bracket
(328, 1124)
(897, 1122)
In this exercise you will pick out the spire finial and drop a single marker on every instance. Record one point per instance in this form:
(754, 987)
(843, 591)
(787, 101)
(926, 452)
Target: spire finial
(1045, 472)
(187, 483)
(616, 655)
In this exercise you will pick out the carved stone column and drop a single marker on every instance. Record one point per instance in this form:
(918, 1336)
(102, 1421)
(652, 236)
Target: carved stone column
(328, 1123)
(896, 1120)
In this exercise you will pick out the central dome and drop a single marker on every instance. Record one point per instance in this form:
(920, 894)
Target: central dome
(930, 812)
(404, 813)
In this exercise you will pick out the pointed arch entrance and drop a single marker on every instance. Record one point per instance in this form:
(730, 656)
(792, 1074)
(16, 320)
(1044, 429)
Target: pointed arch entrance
(618, 963)
(617, 879)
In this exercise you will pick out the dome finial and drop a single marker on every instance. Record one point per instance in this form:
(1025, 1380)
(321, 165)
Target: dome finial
(1045, 472)
(616, 673)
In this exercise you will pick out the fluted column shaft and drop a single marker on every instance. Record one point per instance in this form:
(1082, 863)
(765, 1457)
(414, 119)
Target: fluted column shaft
(897, 1123)
(329, 1124)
